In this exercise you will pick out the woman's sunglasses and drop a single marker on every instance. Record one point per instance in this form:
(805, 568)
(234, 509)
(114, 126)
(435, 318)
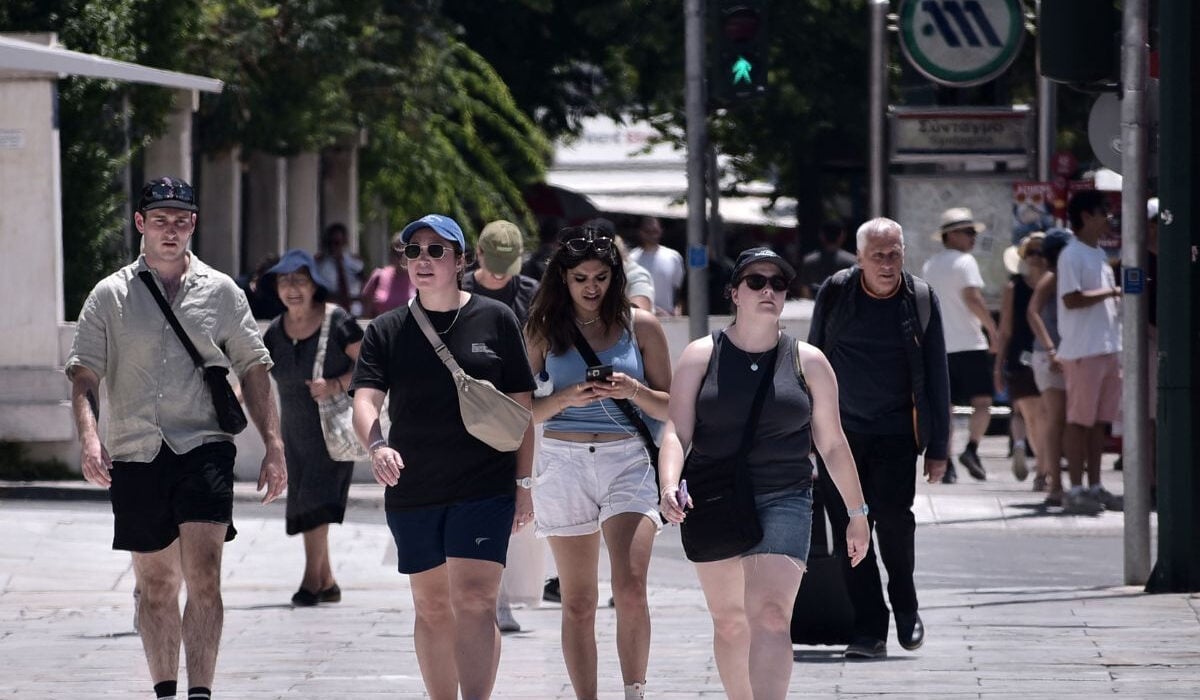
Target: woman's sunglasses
(601, 245)
(757, 282)
(412, 251)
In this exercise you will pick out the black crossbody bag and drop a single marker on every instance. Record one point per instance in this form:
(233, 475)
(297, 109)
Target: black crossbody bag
(723, 521)
(230, 416)
(626, 406)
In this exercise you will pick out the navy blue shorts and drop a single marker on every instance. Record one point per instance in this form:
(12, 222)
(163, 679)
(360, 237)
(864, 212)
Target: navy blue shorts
(150, 500)
(786, 518)
(426, 537)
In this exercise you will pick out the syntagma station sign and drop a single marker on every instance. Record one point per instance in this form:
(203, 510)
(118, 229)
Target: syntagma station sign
(961, 42)
(921, 135)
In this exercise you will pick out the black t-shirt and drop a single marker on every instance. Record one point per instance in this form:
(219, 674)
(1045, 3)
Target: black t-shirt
(516, 295)
(443, 463)
(874, 378)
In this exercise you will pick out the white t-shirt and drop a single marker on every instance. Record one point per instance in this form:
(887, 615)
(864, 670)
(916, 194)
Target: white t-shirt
(1096, 329)
(949, 273)
(638, 282)
(666, 268)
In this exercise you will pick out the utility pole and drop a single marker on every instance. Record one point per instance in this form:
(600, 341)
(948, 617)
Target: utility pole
(877, 79)
(1047, 119)
(1177, 568)
(697, 143)
(1135, 451)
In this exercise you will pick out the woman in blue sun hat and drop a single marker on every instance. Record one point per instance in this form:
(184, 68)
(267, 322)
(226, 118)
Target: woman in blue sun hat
(318, 485)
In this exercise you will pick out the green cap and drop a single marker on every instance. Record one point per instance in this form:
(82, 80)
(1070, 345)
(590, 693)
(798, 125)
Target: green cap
(502, 246)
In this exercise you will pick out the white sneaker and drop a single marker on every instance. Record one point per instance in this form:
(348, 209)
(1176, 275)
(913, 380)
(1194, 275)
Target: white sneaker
(635, 691)
(505, 620)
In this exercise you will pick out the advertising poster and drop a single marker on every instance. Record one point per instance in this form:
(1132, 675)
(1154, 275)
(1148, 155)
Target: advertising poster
(1032, 208)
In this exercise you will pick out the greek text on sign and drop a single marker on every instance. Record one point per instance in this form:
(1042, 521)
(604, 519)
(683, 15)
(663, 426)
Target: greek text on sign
(12, 139)
(929, 134)
(961, 42)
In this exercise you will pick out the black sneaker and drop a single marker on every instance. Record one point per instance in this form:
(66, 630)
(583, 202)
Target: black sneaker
(970, 460)
(866, 648)
(550, 592)
(951, 474)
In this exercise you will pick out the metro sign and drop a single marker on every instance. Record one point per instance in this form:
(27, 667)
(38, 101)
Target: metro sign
(961, 42)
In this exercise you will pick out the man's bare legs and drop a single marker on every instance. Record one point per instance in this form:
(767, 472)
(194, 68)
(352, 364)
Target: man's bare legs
(204, 613)
(194, 559)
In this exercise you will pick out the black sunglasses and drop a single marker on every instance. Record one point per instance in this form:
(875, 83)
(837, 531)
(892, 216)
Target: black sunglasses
(412, 251)
(1034, 254)
(164, 191)
(757, 282)
(589, 239)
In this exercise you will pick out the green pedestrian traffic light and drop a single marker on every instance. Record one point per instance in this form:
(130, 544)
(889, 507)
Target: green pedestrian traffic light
(738, 50)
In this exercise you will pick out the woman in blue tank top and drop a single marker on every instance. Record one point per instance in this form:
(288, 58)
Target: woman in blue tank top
(750, 595)
(594, 471)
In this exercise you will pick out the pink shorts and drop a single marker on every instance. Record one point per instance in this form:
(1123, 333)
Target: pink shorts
(1093, 389)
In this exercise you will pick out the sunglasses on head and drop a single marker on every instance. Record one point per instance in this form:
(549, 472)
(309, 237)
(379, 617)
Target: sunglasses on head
(757, 282)
(589, 239)
(412, 251)
(164, 191)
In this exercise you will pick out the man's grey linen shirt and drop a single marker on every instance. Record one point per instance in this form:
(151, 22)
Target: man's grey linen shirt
(156, 393)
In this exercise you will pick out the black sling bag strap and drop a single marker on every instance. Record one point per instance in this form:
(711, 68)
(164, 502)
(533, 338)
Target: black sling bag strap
(589, 356)
(230, 416)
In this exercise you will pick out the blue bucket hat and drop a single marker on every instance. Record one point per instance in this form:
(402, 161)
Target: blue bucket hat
(295, 259)
(443, 226)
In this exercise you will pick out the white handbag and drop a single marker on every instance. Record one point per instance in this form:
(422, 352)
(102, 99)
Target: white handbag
(337, 413)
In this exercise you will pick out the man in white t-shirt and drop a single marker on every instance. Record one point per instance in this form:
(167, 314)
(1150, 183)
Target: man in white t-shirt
(954, 276)
(1089, 350)
(665, 266)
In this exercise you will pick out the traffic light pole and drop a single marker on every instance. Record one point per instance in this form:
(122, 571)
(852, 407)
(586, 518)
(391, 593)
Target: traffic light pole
(1135, 452)
(1177, 568)
(877, 79)
(697, 145)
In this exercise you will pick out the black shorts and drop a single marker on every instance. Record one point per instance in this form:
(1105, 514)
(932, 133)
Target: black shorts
(150, 500)
(479, 529)
(970, 376)
(1021, 384)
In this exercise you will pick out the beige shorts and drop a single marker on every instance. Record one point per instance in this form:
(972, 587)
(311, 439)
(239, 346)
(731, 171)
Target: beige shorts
(579, 485)
(1093, 389)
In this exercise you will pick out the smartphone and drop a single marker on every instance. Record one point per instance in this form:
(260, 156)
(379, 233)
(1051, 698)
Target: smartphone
(681, 496)
(598, 373)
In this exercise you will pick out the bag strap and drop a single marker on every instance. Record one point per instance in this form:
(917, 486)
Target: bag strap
(322, 342)
(798, 369)
(922, 292)
(755, 411)
(589, 356)
(439, 347)
(148, 278)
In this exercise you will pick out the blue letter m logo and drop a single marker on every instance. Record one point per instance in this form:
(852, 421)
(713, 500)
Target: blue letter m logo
(942, 12)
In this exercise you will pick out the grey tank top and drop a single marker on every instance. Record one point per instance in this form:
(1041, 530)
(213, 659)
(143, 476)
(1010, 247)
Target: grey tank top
(779, 455)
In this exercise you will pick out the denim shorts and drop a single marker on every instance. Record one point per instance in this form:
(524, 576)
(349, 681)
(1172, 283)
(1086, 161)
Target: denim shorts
(786, 519)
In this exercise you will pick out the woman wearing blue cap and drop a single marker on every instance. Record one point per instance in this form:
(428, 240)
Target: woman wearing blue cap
(451, 500)
(750, 584)
(318, 485)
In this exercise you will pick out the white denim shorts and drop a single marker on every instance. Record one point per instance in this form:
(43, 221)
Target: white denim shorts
(579, 485)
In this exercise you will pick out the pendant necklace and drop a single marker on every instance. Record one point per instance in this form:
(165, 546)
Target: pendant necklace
(586, 323)
(453, 321)
(754, 360)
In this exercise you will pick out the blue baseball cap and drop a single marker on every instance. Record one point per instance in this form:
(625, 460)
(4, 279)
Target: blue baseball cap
(295, 259)
(443, 226)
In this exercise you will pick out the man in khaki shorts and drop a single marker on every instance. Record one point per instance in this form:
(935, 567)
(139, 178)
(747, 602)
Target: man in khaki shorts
(1089, 322)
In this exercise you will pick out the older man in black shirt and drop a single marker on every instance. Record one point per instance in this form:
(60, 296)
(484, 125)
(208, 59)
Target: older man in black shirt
(881, 329)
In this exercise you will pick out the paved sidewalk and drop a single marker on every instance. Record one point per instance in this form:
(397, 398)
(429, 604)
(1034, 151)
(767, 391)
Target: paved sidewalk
(65, 615)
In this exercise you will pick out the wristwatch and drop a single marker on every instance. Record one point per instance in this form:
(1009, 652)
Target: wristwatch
(858, 511)
(525, 482)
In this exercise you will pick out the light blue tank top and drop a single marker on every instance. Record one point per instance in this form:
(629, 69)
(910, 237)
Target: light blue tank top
(603, 416)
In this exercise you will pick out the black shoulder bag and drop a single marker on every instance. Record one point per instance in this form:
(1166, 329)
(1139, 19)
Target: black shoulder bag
(230, 416)
(723, 521)
(626, 406)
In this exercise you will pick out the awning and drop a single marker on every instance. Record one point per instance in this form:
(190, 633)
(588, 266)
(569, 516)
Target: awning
(39, 59)
(621, 169)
